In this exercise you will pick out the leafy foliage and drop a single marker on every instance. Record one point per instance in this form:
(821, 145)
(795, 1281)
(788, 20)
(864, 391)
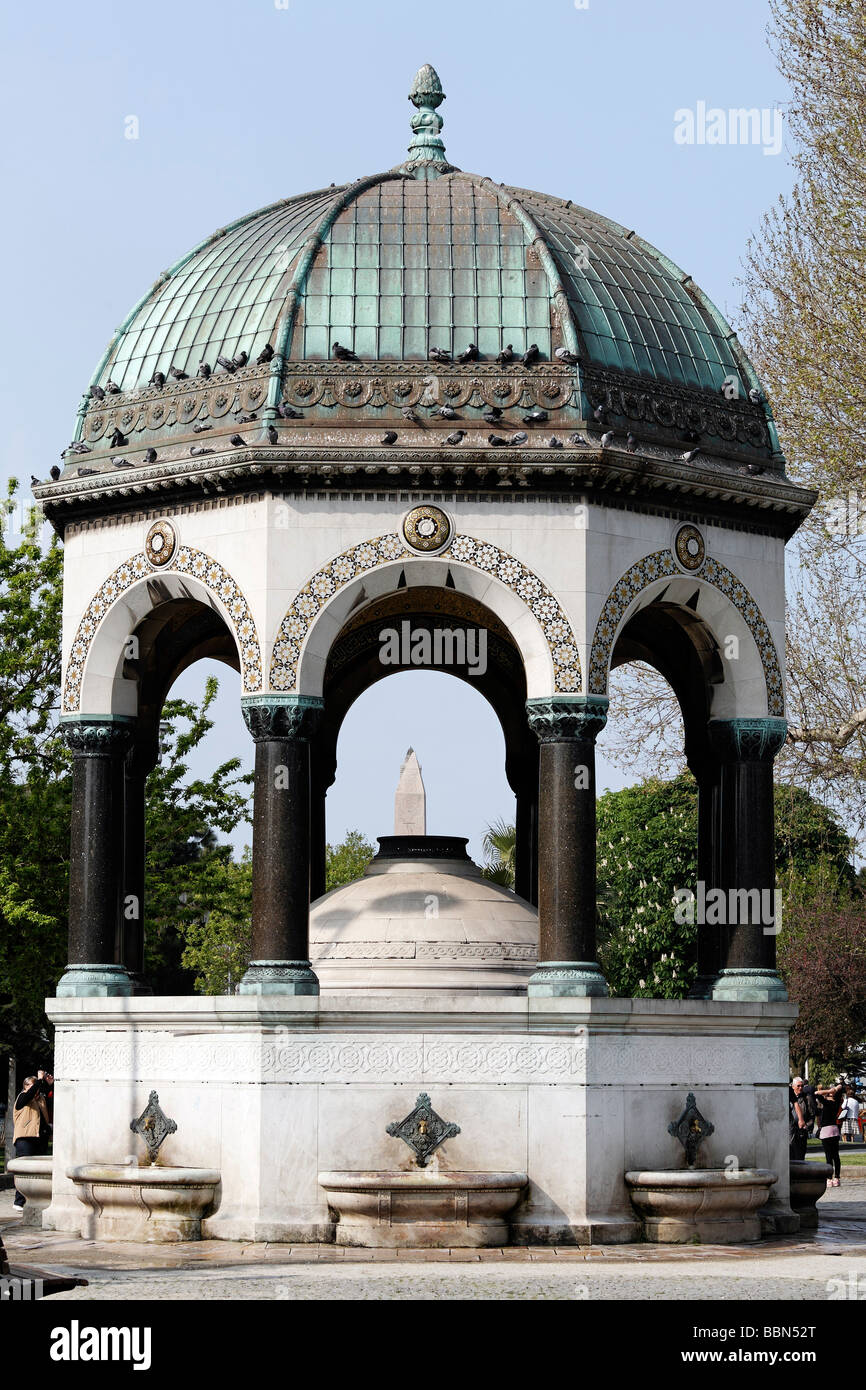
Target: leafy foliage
(348, 860)
(500, 847)
(804, 311)
(647, 849)
(822, 958)
(191, 877)
(35, 788)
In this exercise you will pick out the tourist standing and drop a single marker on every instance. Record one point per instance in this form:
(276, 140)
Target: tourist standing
(797, 1118)
(810, 1108)
(32, 1121)
(851, 1117)
(830, 1101)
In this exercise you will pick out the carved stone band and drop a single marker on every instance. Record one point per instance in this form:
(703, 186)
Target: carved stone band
(282, 716)
(99, 738)
(576, 978)
(559, 719)
(747, 740)
(279, 977)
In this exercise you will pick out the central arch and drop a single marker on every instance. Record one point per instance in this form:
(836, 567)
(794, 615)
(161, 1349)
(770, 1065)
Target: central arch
(514, 593)
(354, 665)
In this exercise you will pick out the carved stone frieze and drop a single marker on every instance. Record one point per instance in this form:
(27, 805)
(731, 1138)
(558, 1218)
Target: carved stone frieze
(297, 1057)
(426, 384)
(98, 738)
(177, 403)
(671, 407)
(274, 717)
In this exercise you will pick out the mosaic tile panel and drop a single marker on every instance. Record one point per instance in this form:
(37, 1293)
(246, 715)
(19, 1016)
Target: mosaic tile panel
(187, 561)
(465, 549)
(658, 566)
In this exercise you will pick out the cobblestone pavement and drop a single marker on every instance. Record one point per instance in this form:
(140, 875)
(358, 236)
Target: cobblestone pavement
(815, 1266)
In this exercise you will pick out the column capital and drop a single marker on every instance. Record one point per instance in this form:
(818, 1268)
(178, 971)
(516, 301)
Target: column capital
(99, 736)
(747, 740)
(282, 716)
(561, 718)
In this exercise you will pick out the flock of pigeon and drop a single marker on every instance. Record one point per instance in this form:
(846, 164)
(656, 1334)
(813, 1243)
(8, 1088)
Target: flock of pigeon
(492, 416)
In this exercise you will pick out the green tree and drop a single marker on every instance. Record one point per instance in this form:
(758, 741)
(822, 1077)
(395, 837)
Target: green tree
(500, 849)
(804, 316)
(34, 789)
(647, 849)
(218, 942)
(348, 860)
(190, 876)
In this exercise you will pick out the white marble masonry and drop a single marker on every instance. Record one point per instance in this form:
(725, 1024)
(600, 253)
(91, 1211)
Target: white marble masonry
(574, 1092)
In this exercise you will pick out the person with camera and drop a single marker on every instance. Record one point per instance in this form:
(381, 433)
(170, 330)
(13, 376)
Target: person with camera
(32, 1120)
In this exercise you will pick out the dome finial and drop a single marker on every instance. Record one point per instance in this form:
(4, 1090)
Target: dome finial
(426, 150)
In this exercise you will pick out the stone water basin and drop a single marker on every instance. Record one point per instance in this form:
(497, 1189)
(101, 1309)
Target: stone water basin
(715, 1206)
(153, 1204)
(809, 1180)
(33, 1177)
(422, 1208)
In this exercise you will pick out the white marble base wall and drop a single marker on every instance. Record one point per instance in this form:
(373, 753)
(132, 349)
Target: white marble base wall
(272, 1092)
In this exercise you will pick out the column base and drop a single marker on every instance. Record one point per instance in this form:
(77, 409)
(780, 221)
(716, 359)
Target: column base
(747, 985)
(567, 978)
(279, 977)
(88, 981)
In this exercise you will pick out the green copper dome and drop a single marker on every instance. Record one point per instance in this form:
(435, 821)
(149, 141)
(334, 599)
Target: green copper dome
(426, 256)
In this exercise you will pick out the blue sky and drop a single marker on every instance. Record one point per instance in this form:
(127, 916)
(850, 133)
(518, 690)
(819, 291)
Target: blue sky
(239, 104)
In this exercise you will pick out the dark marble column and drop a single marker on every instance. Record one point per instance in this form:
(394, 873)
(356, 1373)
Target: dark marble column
(321, 777)
(130, 952)
(746, 857)
(707, 774)
(567, 727)
(99, 748)
(282, 728)
(523, 850)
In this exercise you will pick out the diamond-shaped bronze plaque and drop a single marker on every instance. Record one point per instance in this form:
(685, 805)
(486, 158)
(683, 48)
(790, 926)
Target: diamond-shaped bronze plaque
(423, 1130)
(691, 1129)
(153, 1126)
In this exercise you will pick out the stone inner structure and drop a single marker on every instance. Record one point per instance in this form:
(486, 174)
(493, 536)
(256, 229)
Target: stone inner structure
(410, 799)
(424, 396)
(422, 917)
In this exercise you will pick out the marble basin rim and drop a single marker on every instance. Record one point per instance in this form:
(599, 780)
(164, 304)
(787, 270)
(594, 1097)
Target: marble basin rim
(422, 1208)
(155, 1203)
(34, 1180)
(700, 1205)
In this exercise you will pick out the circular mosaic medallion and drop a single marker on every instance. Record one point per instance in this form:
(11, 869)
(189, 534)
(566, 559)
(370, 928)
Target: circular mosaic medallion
(426, 529)
(160, 543)
(689, 548)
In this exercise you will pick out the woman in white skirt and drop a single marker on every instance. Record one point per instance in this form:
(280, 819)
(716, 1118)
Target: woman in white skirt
(851, 1117)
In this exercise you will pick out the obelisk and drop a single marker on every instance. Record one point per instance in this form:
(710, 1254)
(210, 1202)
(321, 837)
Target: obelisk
(410, 800)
